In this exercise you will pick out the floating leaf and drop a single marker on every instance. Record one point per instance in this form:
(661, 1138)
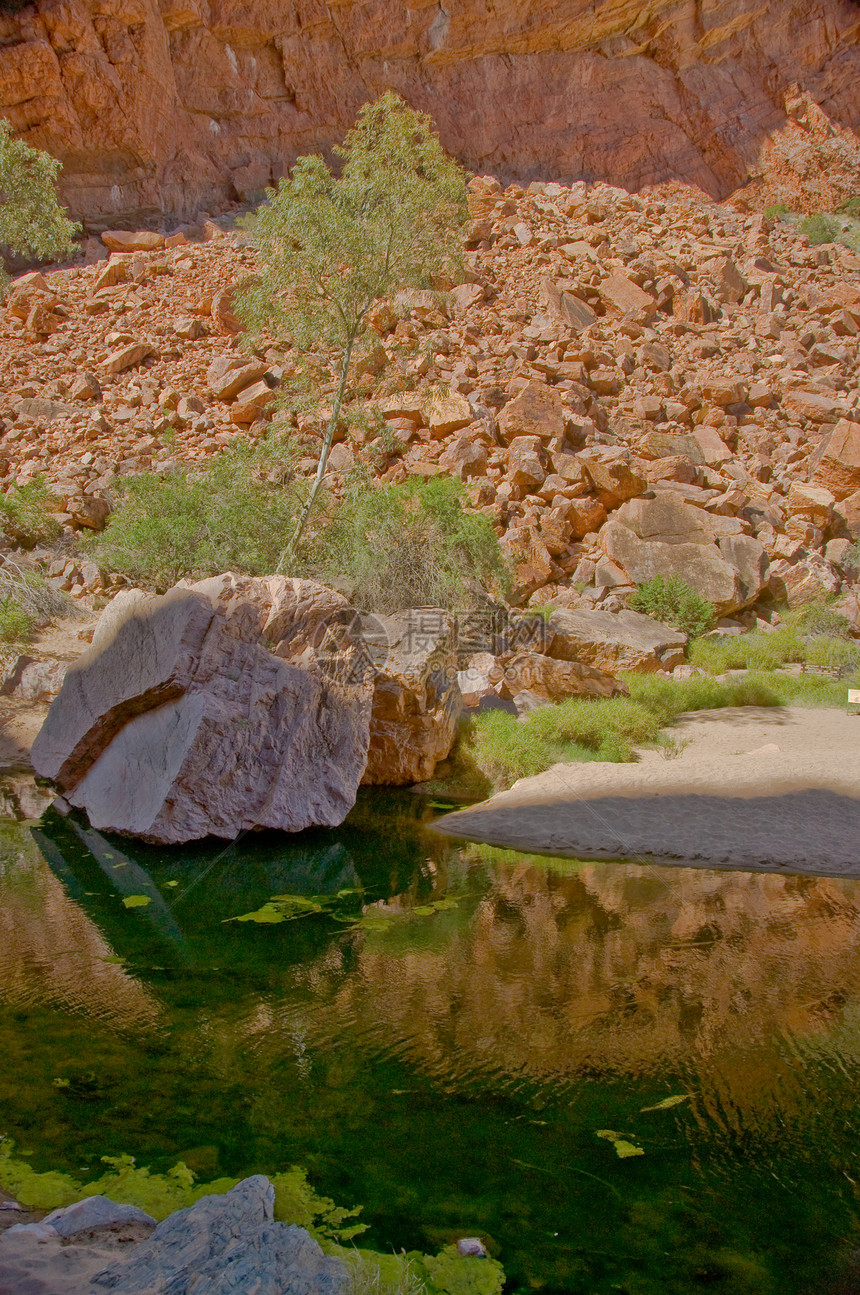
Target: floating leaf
(623, 1148)
(171, 883)
(667, 1103)
(119, 865)
(268, 915)
(137, 901)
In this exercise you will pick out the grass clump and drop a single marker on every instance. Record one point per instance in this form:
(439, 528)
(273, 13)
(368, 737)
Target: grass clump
(409, 545)
(674, 603)
(26, 514)
(504, 748)
(26, 600)
(814, 636)
(232, 514)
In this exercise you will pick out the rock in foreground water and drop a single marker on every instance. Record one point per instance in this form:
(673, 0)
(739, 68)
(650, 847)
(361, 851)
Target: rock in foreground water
(226, 1245)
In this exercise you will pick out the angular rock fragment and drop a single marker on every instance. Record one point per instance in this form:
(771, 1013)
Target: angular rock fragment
(614, 641)
(416, 700)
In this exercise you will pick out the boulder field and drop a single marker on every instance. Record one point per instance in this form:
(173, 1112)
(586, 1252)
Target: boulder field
(634, 383)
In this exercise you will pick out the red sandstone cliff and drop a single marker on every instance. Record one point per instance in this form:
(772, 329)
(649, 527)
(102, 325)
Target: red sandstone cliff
(170, 105)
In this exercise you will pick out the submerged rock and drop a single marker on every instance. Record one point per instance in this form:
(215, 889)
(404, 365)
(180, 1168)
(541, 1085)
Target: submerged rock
(219, 707)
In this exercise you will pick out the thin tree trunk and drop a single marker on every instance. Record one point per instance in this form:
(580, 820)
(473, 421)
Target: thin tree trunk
(289, 552)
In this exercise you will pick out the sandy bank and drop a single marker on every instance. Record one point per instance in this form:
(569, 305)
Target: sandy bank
(751, 788)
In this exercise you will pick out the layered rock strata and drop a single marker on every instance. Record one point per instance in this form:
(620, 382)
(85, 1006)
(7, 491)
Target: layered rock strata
(167, 107)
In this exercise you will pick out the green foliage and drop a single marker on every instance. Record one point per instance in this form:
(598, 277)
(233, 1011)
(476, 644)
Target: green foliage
(814, 636)
(161, 1194)
(334, 1227)
(851, 208)
(456, 1274)
(505, 748)
(378, 1274)
(674, 603)
(624, 1148)
(776, 210)
(32, 223)
(331, 249)
(234, 513)
(37, 599)
(297, 1202)
(411, 545)
(15, 623)
(26, 514)
(820, 228)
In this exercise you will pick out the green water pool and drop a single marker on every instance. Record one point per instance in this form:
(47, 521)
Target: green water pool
(446, 1041)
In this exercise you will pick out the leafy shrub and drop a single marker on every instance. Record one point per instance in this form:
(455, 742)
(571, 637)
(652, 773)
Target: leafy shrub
(411, 545)
(850, 208)
(160, 1194)
(296, 1202)
(232, 514)
(820, 228)
(26, 514)
(15, 624)
(674, 603)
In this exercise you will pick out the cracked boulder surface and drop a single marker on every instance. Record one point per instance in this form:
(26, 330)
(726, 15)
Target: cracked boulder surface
(166, 108)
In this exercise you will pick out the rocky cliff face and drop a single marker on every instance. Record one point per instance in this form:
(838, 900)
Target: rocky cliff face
(169, 105)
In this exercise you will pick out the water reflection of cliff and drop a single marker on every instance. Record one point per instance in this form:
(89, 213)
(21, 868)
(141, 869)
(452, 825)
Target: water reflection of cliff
(617, 970)
(549, 972)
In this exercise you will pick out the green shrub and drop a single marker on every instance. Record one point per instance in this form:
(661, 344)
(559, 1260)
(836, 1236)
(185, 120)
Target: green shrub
(850, 208)
(674, 603)
(410, 545)
(232, 514)
(820, 228)
(296, 1202)
(26, 600)
(26, 514)
(15, 624)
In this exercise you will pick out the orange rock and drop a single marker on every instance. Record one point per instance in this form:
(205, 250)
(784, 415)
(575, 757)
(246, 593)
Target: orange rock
(124, 240)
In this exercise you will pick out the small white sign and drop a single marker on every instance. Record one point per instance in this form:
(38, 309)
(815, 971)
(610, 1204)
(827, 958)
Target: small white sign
(854, 696)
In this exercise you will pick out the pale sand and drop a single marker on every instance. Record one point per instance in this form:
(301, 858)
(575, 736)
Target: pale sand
(754, 788)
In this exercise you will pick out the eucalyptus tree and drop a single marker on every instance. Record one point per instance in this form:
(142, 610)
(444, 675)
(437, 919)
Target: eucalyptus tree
(332, 248)
(32, 222)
